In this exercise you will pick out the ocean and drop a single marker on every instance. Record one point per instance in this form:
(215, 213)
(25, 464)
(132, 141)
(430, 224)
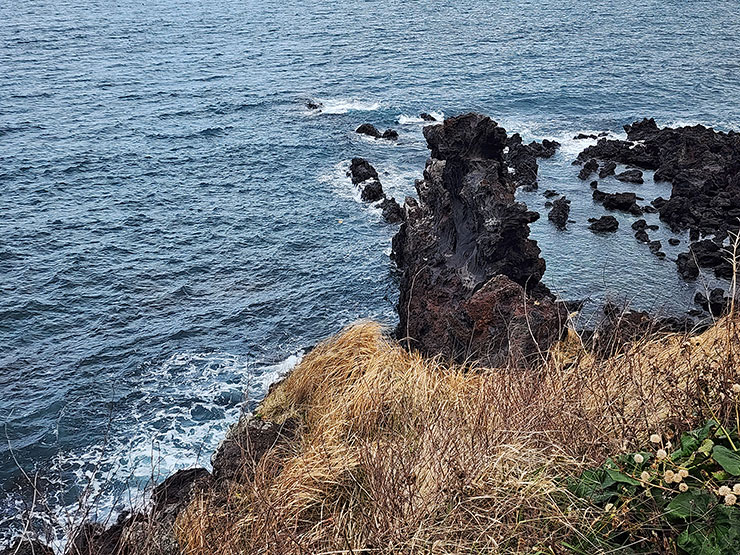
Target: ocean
(177, 227)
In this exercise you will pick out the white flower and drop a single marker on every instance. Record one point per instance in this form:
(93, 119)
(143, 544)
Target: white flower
(655, 438)
(730, 499)
(724, 490)
(736, 388)
(682, 487)
(661, 454)
(668, 476)
(677, 479)
(639, 459)
(609, 507)
(736, 489)
(683, 473)
(645, 476)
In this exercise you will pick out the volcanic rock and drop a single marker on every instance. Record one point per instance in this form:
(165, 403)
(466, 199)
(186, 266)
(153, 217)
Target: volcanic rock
(427, 117)
(392, 212)
(642, 236)
(360, 170)
(715, 304)
(560, 212)
(627, 202)
(605, 224)
(314, 105)
(607, 169)
(470, 275)
(588, 168)
(630, 176)
(372, 191)
(674, 242)
(550, 193)
(655, 247)
(371, 131)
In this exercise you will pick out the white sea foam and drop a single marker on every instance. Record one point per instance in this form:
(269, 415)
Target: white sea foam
(186, 405)
(403, 119)
(335, 106)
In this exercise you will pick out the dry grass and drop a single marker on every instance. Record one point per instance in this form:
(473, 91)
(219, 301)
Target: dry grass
(401, 454)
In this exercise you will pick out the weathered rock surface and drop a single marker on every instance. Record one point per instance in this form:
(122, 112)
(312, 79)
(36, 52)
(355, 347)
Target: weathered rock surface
(705, 254)
(716, 304)
(560, 212)
(607, 169)
(588, 168)
(626, 202)
(366, 177)
(427, 117)
(371, 131)
(702, 164)
(605, 224)
(470, 282)
(522, 159)
(630, 176)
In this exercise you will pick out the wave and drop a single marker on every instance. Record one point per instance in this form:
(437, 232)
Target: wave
(403, 119)
(335, 106)
(177, 418)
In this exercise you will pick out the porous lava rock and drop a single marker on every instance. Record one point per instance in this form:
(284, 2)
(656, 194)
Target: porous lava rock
(560, 212)
(470, 284)
(522, 159)
(626, 202)
(605, 224)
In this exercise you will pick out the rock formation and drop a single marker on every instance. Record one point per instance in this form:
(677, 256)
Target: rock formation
(371, 131)
(366, 177)
(605, 224)
(560, 212)
(522, 159)
(470, 282)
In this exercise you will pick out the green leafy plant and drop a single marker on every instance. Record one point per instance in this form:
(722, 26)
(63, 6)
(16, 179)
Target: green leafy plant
(685, 496)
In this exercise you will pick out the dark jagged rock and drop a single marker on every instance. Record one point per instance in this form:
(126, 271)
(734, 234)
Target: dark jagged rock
(716, 304)
(702, 164)
(314, 105)
(550, 193)
(560, 212)
(659, 202)
(626, 202)
(582, 136)
(372, 191)
(360, 170)
(24, 546)
(588, 168)
(427, 117)
(607, 169)
(237, 457)
(687, 266)
(705, 254)
(656, 248)
(470, 284)
(392, 212)
(594, 184)
(630, 176)
(639, 224)
(545, 149)
(674, 242)
(642, 236)
(522, 160)
(605, 224)
(649, 209)
(371, 131)
(548, 204)
(176, 490)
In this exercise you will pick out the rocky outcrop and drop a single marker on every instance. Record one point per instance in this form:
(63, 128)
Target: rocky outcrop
(366, 177)
(427, 117)
(605, 224)
(630, 176)
(470, 276)
(560, 212)
(717, 302)
(702, 164)
(521, 159)
(626, 202)
(705, 254)
(371, 131)
(607, 169)
(588, 169)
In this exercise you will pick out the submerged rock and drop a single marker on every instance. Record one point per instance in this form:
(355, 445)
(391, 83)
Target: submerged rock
(605, 224)
(371, 131)
(674, 242)
(560, 212)
(314, 105)
(470, 282)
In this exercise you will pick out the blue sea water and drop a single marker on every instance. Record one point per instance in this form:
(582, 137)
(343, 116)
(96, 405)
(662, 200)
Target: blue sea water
(176, 226)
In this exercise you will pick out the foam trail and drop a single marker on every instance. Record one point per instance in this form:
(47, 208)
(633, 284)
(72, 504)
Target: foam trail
(335, 106)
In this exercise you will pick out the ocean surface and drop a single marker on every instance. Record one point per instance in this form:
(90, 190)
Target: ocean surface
(177, 227)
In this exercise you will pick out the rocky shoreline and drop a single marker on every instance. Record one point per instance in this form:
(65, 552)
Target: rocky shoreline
(471, 286)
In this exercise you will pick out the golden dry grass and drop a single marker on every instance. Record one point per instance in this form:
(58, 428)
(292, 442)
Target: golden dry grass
(401, 454)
